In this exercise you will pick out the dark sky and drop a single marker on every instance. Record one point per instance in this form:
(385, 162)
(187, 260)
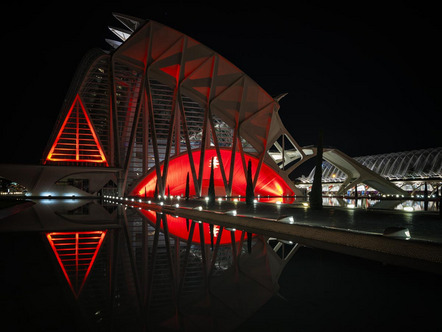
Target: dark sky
(368, 75)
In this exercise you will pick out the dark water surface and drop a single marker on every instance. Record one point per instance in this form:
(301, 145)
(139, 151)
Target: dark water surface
(161, 285)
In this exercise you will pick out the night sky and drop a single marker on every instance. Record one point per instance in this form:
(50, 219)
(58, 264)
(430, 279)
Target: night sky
(368, 76)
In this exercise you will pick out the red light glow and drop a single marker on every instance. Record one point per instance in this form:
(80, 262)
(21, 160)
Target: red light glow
(177, 226)
(268, 183)
(77, 141)
(76, 253)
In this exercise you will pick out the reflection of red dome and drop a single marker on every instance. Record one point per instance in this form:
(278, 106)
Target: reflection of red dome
(269, 182)
(178, 227)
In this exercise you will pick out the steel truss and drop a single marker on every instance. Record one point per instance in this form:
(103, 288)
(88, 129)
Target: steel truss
(161, 94)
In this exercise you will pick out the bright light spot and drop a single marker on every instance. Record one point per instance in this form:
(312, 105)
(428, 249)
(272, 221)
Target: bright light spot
(207, 199)
(215, 230)
(161, 203)
(255, 201)
(351, 206)
(232, 212)
(278, 202)
(220, 199)
(305, 204)
(235, 200)
(408, 209)
(177, 205)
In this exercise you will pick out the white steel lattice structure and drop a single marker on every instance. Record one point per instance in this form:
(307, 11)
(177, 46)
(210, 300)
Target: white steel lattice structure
(160, 106)
(411, 171)
(407, 165)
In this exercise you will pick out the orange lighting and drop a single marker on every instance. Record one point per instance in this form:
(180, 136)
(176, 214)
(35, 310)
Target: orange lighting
(77, 141)
(76, 253)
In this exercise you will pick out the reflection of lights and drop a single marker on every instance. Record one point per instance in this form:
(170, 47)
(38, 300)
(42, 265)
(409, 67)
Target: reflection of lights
(285, 241)
(305, 204)
(408, 209)
(47, 201)
(351, 206)
(84, 247)
(278, 202)
(206, 198)
(220, 199)
(288, 219)
(235, 200)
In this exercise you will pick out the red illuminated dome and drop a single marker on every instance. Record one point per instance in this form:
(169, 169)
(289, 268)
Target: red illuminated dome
(268, 181)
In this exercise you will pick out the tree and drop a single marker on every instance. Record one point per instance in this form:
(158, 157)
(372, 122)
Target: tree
(250, 194)
(187, 186)
(316, 193)
(211, 191)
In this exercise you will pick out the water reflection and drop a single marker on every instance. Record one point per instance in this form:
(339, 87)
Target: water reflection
(129, 269)
(385, 204)
(158, 272)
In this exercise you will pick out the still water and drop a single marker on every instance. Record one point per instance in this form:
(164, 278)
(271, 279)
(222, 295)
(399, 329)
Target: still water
(100, 266)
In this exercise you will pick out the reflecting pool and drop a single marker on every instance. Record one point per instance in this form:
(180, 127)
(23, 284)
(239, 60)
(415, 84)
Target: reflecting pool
(97, 265)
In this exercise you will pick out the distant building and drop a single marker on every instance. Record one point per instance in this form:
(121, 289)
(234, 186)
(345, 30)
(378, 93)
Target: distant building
(409, 170)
